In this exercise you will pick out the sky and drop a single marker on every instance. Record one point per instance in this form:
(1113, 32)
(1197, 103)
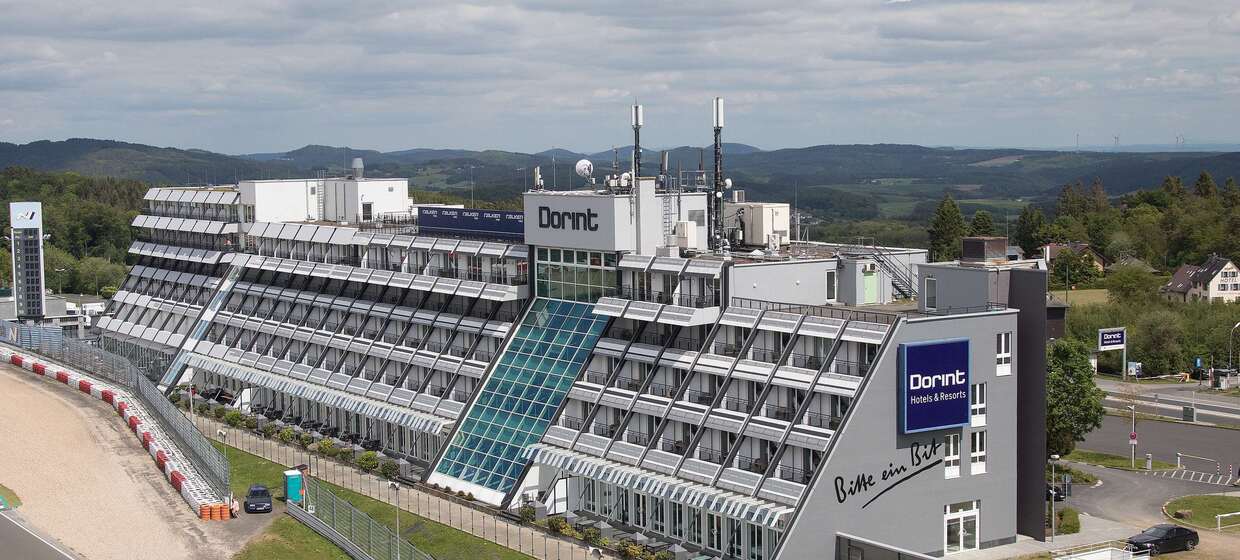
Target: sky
(272, 75)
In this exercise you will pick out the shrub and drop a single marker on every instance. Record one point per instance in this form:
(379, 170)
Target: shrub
(664, 555)
(469, 496)
(1068, 521)
(107, 292)
(367, 461)
(526, 513)
(305, 439)
(233, 418)
(175, 397)
(327, 448)
(561, 526)
(389, 469)
(287, 435)
(268, 429)
(593, 536)
(250, 422)
(631, 550)
(219, 412)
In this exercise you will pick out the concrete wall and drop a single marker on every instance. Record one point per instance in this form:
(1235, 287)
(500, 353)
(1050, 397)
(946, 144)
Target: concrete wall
(345, 197)
(910, 515)
(280, 201)
(959, 287)
(797, 282)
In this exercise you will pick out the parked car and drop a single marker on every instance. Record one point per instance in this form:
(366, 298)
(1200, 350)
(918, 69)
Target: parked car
(258, 499)
(1164, 538)
(1054, 493)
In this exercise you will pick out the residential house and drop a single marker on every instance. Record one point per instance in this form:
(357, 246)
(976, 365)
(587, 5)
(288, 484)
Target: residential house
(1051, 250)
(1217, 280)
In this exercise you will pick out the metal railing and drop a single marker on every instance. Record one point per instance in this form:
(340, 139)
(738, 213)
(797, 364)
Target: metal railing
(793, 474)
(751, 464)
(374, 539)
(91, 359)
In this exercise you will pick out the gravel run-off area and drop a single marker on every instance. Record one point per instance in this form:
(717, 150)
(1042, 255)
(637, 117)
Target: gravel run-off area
(87, 482)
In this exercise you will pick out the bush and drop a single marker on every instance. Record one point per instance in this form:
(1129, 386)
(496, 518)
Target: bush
(526, 513)
(305, 439)
(389, 469)
(175, 397)
(631, 550)
(268, 429)
(250, 422)
(287, 435)
(367, 461)
(107, 292)
(592, 536)
(219, 411)
(1068, 521)
(560, 525)
(327, 448)
(233, 418)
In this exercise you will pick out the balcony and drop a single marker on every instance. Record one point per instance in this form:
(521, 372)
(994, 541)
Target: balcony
(442, 272)
(779, 412)
(696, 301)
(460, 396)
(484, 355)
(596, 377)
(662, 390)
(603, 430)
(652, 339)
(845, 367)
(767, 355)
(637, 438)
(572, 422)
(673, 446)
(737, 404)
(752, 465)
(620, 333)
(711, 455)
(824, 421)
(699, 397)
(806, 361)
(436, 390)
(793, 474)
(629, 383)
(726, 349)
(690, 344)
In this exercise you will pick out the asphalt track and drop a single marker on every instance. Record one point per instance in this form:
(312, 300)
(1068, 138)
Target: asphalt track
(18, 542)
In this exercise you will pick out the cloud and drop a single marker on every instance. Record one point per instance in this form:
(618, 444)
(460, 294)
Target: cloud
(269, 75)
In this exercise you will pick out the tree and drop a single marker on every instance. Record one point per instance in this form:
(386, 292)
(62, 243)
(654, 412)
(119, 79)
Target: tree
(982, 225)
(1130, 284)
(1205, 186)
(946, 230)
(94, 273)
(1173, 186)
(1029, 230)
(1072, 201)
(1156, 341)
(1098, 196)
(1073, 268)
(59, 268)
(1231, 193)
(1073, 402)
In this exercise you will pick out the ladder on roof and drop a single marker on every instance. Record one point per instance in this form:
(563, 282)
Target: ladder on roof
(320, 183)
(670, 213)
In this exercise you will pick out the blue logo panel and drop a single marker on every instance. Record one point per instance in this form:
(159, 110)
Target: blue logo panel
(470, 221)
(934, 385)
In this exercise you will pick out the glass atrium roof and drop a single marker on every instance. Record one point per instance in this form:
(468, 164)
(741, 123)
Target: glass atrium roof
(522, 394)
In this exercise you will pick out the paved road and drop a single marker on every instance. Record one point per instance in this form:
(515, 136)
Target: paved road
(1165, 439)
(1168, 399)
(18, 542)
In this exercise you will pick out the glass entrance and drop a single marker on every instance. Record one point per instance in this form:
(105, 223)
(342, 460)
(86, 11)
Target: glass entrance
(960, 527)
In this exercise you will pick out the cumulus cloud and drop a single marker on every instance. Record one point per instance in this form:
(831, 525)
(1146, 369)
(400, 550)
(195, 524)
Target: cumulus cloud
(265, 75)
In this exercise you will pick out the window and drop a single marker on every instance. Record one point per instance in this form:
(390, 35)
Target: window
(977, 405)
(367, 211)
(755, 542)
(714, 532)
(639, 510)
(693, 525)
(656, 516)
(735, 547)
(677, 513)
(977, 452)
(1003, 353)
(951, 459)
(830, 285)
(931, 294)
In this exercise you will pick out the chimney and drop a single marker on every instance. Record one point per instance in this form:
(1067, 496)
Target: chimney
(358, 168)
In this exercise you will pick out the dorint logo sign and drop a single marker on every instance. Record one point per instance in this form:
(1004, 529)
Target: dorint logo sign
(934, 385)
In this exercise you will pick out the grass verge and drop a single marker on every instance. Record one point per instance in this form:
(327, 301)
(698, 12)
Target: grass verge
(1113, 461)
(281, 541)
(1078, 476)
(9, 497)
(1204, 508)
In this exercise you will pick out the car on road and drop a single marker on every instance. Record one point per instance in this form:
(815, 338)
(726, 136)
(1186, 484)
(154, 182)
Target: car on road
(1054, 494)
(1164, 538)
(258, 499)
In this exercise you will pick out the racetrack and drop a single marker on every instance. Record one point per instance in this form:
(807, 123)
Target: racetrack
(86, 482)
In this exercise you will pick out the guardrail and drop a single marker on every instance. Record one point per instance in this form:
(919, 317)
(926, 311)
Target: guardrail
(84, 356)
(364, 538)
(1117, 549)
(1218, 520)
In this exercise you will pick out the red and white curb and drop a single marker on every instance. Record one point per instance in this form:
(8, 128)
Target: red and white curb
(168, 459)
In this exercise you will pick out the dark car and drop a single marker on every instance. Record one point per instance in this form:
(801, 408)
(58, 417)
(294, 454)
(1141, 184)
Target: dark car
(1054, 493)
(258, 499)
(1164, 538)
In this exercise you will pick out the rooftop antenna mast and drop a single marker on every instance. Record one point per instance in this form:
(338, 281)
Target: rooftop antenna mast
(637, 142)
(717, 242)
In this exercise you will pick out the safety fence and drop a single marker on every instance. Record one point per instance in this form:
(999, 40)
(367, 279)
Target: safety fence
(84, 355)
(359, 530)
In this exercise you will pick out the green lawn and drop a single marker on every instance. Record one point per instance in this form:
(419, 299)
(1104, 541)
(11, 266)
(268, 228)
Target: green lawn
(1112, 461)
(1205, 507)
(1078, 476)
(1082, 297)
(9, 497)
(284, 541)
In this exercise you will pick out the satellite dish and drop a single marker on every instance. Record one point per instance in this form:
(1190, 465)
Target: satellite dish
(584, 168)
(625, 178)
(727, 183)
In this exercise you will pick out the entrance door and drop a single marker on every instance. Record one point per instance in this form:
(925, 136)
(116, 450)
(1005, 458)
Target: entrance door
(960, 523)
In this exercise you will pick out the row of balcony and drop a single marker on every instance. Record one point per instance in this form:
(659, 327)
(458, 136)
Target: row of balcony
(697, 301)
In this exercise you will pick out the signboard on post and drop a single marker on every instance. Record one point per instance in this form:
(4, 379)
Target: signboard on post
(1112, 339)
(1132, 438)
(934, 385)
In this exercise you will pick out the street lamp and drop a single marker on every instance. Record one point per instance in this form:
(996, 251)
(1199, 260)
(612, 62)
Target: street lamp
(224, 438)
(392, 484)
(1132, 445)
(1052, 494)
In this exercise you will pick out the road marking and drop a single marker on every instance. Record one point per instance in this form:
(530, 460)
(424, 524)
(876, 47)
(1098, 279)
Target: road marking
(1193, 476)
(32, 533)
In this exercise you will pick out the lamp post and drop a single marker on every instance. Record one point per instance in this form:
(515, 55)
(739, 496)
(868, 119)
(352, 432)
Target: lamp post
(224, 438)
(1229, 340)
(1052, 495)
(1133, 446)
(395, 487)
